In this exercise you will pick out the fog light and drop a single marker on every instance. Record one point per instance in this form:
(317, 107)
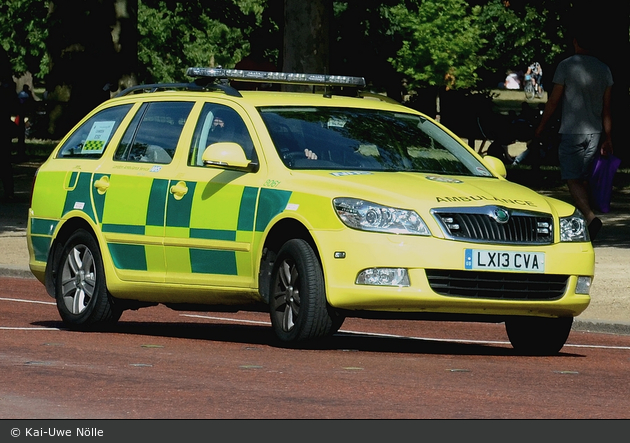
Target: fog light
(383, 277)
(583, 285)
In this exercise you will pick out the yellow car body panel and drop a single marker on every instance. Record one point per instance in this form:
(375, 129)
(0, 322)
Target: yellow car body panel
(186, 233)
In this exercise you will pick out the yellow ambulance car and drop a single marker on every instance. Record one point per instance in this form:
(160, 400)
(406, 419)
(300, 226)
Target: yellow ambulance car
(314, 206)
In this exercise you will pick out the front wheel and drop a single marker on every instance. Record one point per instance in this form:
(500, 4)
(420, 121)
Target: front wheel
(297, 300)
(538, 335)
(81, 293)
(529, 91)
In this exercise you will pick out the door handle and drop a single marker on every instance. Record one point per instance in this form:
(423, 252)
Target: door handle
(102, 184)
(179, 190)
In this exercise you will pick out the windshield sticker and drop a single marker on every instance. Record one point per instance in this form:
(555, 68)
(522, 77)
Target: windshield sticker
(344, 173)
(334, 122)
(472, 198)
(369, 150)
(97, 138)
(443, 179)
(482, 171)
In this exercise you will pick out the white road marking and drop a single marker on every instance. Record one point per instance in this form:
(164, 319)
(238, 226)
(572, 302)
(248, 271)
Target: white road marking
(7, 328)
(345, 331)
(375, 334)
(29, 301)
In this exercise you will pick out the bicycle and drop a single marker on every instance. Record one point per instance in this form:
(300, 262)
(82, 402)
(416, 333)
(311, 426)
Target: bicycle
(532, 90)
(529, 87)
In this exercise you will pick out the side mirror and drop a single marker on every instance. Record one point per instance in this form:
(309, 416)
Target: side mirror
(228, 155)
(495, 165)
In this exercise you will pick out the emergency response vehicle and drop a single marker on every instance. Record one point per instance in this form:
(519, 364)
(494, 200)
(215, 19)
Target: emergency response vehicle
(314, 206)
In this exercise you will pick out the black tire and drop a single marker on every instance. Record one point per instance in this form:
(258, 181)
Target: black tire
(81, 292)
(538, 335)
(297, 296)
(529, 91)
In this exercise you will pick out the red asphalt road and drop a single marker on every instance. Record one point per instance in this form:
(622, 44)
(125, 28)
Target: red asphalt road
(158, 363)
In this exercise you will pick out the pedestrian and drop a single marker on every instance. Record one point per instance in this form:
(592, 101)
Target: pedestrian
(8, 99)
(582, 86)
(26, 102)
(512, 81)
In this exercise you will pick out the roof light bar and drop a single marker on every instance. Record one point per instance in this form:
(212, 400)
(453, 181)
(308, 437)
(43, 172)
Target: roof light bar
(276, 77)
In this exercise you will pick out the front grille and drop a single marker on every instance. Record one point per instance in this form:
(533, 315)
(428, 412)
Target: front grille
(483, 225)
(497, 285)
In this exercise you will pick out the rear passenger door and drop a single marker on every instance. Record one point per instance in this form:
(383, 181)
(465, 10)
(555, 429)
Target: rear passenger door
(133, 187)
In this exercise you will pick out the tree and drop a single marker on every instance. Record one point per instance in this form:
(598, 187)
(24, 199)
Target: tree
(23, 34)
(306, 37)
(175, 35)
(440, 43)
(85, 62)
(516, 36)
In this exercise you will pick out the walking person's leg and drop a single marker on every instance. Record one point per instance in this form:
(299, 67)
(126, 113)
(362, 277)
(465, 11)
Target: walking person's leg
(576, 153)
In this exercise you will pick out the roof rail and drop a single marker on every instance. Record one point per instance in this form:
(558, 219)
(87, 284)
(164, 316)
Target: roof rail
(197, 85)
(275, 77)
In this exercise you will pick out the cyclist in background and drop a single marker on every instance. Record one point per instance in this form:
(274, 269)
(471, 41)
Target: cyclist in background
(535, 70)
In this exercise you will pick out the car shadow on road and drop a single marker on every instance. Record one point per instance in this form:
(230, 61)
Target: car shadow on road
(256, 335)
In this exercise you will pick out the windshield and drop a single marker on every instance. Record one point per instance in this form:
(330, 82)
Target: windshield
(364, 139)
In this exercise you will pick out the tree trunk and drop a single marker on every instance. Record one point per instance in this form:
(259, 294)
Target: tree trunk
(306, 38)
(93, 51)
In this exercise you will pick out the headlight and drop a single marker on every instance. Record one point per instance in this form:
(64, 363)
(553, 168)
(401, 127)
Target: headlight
(367, 216)
(573, 228)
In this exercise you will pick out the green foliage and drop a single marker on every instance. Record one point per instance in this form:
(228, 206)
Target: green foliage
(175, 35)
(423, 40)
(518, 36)
(23, 34)
(441, 40)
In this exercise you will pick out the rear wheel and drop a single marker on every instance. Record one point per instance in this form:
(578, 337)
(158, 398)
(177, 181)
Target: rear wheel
(81, 293)
(297, 299)
(538, 335)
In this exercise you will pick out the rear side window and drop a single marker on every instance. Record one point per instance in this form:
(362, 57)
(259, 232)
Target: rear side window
(91, 138)
(154, 132)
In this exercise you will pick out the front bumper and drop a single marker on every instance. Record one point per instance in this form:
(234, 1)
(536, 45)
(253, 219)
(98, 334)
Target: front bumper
(363, 250)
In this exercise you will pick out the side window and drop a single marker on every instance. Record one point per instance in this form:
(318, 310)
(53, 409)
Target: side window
(91, 138)
(154, 132)
(218, 123)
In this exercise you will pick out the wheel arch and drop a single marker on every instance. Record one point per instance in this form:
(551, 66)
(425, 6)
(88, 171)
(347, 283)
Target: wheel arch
(69, 227)
(284, 230)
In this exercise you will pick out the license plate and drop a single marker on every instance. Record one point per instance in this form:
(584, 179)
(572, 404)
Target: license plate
(486, 260)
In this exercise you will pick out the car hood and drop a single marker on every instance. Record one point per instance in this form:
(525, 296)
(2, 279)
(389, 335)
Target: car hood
(423, 192)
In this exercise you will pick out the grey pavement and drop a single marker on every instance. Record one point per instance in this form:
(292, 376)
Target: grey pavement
(609, 311)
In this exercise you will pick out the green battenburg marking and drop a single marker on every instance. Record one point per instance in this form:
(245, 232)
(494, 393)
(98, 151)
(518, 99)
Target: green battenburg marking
(99, 199)
(204, 261)
(129, 257)
(123, 229)
(93, 145)
(80, 197)
(157, 202)
(271, 203)
(73, 179)
(41, 246)
(212, 234)
(41, 226)
(178, 211)
(247, 209)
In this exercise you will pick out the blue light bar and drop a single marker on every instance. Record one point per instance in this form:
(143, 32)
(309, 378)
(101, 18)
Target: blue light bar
(276, 77)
